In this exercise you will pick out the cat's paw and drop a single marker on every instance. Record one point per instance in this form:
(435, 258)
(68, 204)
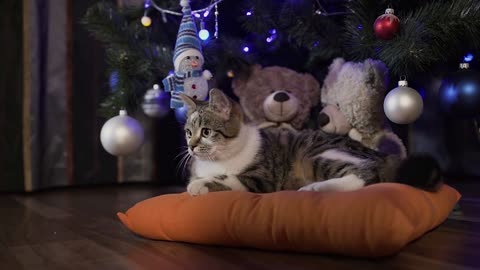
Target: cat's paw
(198, 187)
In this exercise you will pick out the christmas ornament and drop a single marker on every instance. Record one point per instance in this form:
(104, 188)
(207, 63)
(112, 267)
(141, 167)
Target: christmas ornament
(155, 102)
(203, 34)
(121, 135)
(387, 25)
(188, 61)
(403, 105)
(146, 21)
(460, 92)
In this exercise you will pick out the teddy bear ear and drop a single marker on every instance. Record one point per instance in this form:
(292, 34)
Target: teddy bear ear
(336, 65)
(333, 72)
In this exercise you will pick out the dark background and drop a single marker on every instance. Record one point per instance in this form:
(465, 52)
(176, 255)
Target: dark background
(454, 142)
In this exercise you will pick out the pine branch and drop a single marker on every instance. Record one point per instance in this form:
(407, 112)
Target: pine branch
(262, 18)
(129, 51)
(437, 32)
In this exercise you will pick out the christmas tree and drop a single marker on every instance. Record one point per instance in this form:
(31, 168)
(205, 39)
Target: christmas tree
(431, 37)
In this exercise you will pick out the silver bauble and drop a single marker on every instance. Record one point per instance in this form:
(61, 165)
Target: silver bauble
(121, 135)
(403, 105)
(156, 103)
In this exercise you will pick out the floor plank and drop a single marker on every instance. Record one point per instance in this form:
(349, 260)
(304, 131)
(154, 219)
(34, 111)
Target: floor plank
(77, 228)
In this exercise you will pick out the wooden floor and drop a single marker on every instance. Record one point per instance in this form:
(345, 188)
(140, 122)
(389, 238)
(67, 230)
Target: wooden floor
(77, 228)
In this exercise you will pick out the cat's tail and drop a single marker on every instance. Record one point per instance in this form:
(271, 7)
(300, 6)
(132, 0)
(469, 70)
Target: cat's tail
(421, 171)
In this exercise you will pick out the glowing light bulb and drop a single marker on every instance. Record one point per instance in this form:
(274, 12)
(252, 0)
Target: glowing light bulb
(146, 21)
(204, 34)
(147, 4)
(249, 13)
(206, 13)
(246, 49)
(197, 15)
(468, 57)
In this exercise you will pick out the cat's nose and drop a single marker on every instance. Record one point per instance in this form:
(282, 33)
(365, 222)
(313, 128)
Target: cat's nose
(192, 147)
(281, 97)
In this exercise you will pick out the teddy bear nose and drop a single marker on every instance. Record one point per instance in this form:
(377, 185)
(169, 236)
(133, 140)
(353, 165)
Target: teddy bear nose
(281, 97)
(323, 119)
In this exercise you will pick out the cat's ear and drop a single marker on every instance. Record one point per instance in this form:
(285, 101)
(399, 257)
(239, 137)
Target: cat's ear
(220, 104)
(189, 103)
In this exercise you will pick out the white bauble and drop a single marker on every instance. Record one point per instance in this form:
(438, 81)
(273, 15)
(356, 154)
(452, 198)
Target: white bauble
(403, 105)
(121, 135)
(156, 102)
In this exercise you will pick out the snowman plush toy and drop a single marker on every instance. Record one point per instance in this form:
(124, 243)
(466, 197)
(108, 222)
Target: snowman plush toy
(189, 77)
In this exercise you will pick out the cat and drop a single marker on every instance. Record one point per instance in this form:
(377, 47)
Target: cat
(228, 154)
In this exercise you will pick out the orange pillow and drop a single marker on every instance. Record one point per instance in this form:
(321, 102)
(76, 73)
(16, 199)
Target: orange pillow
(374, 221)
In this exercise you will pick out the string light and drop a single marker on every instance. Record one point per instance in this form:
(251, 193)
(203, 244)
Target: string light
(249, 13)
(157, 7)
(216, 21)
(203, 33)
(468, 57)
(146, 21)
(147, 4)
(273, 35)
(246, 49)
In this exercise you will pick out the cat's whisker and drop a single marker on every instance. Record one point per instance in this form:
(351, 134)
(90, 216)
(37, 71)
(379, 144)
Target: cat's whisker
(186, 156)
(181, 153)
(185, 166)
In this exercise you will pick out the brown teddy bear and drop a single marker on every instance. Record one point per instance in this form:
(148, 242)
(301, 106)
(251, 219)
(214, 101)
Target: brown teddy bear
(277, 96)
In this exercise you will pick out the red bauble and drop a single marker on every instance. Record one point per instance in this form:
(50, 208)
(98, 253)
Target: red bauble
(387, 25)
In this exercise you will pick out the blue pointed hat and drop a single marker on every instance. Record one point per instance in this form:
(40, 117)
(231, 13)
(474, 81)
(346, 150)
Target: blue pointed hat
(188, 43)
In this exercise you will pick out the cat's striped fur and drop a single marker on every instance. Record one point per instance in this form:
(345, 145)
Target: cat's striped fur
(230, 155)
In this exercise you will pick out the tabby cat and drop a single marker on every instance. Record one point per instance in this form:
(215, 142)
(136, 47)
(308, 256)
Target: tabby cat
(230, 155)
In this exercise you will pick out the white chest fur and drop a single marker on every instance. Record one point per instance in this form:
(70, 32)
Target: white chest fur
(243, 149)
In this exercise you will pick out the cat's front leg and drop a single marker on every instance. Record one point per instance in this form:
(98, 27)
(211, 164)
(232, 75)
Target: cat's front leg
(204, 185)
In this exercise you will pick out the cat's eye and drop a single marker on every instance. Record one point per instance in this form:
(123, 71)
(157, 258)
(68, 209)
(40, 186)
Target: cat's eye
(188, 57)
(189, 133)
(197, 57)
(206, 132)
